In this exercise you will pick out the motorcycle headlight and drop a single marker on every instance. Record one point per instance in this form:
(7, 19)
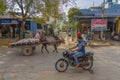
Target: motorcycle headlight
(65, 54)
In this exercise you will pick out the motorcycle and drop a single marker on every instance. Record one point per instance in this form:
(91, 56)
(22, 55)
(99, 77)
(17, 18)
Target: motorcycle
(86, 61)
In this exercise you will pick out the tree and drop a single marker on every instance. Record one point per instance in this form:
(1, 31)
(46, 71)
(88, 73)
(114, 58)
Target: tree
(73, 12)
(3, 7)
(31, 8)
(76, 25)
(25, 6)
(39, 20)
(53, 8)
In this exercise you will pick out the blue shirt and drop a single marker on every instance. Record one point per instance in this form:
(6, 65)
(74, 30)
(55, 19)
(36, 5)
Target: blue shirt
(83, 47)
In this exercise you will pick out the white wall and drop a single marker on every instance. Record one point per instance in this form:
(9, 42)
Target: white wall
(119, 1)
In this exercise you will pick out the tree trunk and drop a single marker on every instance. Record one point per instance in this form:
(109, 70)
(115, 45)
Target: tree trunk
(22, 29)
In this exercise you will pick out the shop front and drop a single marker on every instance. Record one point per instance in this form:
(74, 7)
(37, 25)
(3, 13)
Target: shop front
(9, 28)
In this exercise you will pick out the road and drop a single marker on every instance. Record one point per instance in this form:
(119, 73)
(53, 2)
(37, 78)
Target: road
(14, 66)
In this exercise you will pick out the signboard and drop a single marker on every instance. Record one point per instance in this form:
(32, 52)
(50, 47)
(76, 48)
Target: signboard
(99, 24)
(9, 21)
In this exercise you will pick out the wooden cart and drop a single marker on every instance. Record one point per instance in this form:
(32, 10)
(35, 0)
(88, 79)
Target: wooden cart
(27, 46)
(28, 49)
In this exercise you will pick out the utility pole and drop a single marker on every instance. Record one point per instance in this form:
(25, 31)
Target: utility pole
(102, 37)
(93, 4)
(103, 5)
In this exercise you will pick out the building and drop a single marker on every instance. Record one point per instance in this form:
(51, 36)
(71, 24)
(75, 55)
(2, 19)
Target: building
(111, 12)
(8, 23)
(9, 26)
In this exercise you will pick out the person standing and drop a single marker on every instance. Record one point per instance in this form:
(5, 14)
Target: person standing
(78, 34)
(11, 31)
(17, 31)
(0, 33)
(84, 36)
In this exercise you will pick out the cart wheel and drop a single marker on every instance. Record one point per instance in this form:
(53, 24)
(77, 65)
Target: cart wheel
(27, 51)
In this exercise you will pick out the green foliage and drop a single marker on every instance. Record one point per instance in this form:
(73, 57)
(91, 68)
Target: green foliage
(52, 8)
(76, 25)
(3, 7)
(39, 20)
(11, 13)
(72, 12)
(30, 8)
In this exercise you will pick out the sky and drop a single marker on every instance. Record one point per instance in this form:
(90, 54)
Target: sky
(88, 3)
(82, 4)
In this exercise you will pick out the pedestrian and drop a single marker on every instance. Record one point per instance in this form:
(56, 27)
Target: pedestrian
(112, 34)
(78, 34)
(84, 36)
(11, 31)
(37, 35)
(0, 33)
(70, 32)
(17, 32)
(89, 38)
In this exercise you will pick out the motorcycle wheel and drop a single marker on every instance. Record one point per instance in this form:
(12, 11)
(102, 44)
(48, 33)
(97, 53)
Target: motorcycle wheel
(61, 65)
(90, 63)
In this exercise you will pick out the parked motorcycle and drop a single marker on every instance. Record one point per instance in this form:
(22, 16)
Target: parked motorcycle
(86, 61)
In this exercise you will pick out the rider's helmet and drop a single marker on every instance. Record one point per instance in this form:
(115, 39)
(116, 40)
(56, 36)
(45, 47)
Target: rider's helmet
(65, 54)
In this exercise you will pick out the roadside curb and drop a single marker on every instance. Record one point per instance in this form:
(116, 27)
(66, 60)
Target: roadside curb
(4, 45)
(100, 44)
(92, 45)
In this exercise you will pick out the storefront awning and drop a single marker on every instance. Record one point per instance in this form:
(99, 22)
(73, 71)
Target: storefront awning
(9, 21)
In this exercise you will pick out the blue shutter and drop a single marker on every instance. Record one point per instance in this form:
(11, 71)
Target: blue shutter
(33, 27)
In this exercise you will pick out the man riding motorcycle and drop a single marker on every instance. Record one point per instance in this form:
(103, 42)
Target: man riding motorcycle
(79, 49)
